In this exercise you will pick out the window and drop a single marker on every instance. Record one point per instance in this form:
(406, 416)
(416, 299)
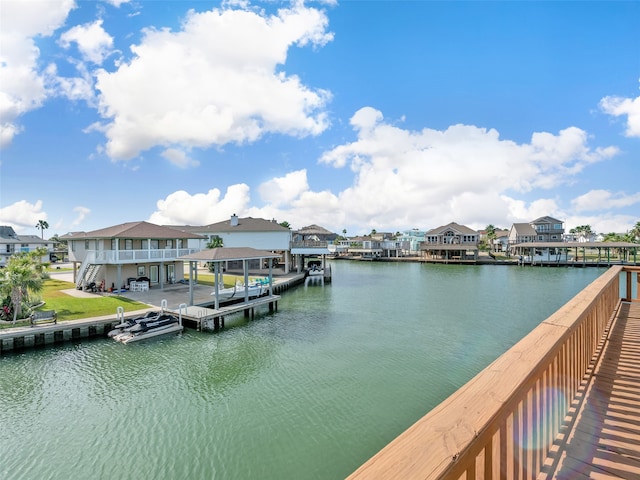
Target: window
(145, 244)
(557, 226)
(114, 244)
(128, 244)
(86, 244)
(168, 244)
(154, 245)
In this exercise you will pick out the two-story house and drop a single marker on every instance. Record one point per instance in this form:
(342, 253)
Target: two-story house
(256, 233)
(548, 229)
(112, 257)
(451, 242)
(11, 243)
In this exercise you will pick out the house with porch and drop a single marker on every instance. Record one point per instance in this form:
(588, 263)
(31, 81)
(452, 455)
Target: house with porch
(113, 257)
(313, 241)
(11, 243)
(548, 229)
(451, 243)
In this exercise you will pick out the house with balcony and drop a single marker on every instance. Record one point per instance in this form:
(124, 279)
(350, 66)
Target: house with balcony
(548, 229)
(256, 233)
(365, 247)
(314, 241)
(411, 241)
(11, 243)
(113, 257)
(451, 243)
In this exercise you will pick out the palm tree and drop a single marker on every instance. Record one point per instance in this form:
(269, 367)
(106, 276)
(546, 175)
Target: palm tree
(42, 225)
(491, 235)
(635, 232)
(22, 276)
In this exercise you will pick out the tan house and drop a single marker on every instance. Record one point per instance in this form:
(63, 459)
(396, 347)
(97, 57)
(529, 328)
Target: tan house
(112, 257)
(450, 243)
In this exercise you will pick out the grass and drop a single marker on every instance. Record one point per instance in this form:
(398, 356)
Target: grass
(74, 308)
(228, 280)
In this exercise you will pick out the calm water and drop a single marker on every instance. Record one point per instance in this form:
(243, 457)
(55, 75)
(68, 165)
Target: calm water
(309, 392)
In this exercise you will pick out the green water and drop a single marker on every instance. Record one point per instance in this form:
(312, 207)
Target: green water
(308, 392)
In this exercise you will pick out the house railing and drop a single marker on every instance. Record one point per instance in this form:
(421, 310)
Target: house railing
(503, 422)
(310, 244)
(140, 256)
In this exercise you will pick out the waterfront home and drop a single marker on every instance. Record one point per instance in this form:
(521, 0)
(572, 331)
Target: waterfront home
(11, 243)
(249, 232)
(548, 229)
(521, 233)
(411, 241)
(313, 241)
(451, 242)
(112, 257)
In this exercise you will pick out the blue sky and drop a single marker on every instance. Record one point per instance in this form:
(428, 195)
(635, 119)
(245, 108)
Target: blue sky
(356, 115)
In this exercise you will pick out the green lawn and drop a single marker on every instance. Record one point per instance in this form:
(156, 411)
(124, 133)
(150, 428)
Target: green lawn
(74, 308)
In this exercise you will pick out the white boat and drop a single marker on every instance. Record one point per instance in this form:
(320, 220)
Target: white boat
(126, 325)
(316, 270)
(254, 289)
(164, 324)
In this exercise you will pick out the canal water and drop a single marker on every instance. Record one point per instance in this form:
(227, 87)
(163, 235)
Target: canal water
(308, 392)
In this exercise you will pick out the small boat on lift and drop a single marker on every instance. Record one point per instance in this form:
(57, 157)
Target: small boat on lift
(126, 325)
(254, 289)
(163, 324)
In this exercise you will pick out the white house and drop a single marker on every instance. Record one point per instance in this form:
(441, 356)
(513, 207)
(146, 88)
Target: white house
(11, 243)
(256, 233)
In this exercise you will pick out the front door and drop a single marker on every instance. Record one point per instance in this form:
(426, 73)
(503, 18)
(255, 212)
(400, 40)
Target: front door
(153, 273)
(171, 273)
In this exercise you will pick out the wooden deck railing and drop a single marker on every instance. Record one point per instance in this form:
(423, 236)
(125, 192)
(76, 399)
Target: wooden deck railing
(502, 423)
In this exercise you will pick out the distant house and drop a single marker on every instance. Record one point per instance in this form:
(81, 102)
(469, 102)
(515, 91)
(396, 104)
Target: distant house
(11, 243)
(521, 233)
(548, 229)
(411, 240)
(256, 233)
(312, 241)
(113, 256)
(451, 242)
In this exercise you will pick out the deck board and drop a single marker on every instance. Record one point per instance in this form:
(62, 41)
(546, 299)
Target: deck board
(603, 438)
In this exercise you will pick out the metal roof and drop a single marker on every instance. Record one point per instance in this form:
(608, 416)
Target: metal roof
(578, 245)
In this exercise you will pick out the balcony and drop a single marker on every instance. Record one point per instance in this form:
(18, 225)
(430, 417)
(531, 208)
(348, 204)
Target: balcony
(106, 257)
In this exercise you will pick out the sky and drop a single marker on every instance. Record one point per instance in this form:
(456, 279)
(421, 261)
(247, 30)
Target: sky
(352, 115)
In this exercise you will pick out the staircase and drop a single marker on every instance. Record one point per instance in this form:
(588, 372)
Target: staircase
(87, 273)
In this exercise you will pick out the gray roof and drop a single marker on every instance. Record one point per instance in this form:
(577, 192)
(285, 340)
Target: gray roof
(524, 229)
(247, 224)
(314, 230)
(223, 254)
(453, 226)
(546, 219)
(132, 230)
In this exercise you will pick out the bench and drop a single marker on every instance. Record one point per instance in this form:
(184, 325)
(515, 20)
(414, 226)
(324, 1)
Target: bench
(43, 316)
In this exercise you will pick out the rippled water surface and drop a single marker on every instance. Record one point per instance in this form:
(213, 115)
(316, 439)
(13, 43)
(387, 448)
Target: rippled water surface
(308, 392)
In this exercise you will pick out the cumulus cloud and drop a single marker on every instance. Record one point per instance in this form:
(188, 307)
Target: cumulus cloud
(599, 200)
(619, 106)
(182, 208)
(93, 42)
(23, 86)
(217, 80)
(454, 174)
(284, 190)
(22, 215)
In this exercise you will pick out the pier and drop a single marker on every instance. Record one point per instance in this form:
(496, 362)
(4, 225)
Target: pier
(561, 403)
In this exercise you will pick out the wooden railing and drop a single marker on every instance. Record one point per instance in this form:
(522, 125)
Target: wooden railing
(502, 423)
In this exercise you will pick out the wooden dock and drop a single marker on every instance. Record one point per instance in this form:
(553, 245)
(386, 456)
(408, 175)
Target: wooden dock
(601, 435)
(204, 318)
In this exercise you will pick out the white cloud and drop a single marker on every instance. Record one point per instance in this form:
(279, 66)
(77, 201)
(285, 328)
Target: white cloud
(23, 86)
(599, 200)
(22, 215)
(182, 208)
(179, 158)
(464, 173)
(93, 42)
(284, 190)
(216, 81)
(81, 214)
(619, 106)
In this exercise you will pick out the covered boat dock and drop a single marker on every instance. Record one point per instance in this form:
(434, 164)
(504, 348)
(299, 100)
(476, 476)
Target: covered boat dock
(597, 254)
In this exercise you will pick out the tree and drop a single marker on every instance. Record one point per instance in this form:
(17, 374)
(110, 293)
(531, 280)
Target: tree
(491, 234)
(583, 231)
(285, 224)
(635, 233)
(42, 225)
(22, 279)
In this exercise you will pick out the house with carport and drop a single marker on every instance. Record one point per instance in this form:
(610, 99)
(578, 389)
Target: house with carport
(249, 232)
(113, 257)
